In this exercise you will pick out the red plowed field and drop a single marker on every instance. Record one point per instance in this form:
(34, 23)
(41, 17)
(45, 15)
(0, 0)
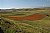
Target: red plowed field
(30, 17)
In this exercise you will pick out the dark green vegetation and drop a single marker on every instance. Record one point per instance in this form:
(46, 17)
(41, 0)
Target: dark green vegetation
(25, 26)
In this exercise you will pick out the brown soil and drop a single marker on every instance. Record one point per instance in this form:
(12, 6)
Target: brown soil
(30, 17)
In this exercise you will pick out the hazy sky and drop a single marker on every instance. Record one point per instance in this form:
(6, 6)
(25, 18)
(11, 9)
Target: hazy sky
(24, 3)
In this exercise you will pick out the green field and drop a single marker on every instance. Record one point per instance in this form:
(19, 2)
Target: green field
(25, 26)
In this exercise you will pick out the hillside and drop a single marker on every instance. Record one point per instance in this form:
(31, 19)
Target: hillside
(32, 21)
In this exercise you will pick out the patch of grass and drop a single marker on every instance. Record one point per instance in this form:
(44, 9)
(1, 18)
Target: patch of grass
(25, 26)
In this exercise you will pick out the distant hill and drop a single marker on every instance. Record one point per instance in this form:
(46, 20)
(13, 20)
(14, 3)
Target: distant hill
(24, 9)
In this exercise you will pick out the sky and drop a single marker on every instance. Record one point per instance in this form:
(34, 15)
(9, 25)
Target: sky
(24, 3)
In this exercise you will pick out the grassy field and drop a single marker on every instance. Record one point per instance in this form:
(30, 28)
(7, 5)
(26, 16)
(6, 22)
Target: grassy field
(25, 26)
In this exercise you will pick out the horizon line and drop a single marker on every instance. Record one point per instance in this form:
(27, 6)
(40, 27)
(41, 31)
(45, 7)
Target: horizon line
(21, 8)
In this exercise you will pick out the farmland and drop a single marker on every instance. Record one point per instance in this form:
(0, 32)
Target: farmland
(25, 21)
